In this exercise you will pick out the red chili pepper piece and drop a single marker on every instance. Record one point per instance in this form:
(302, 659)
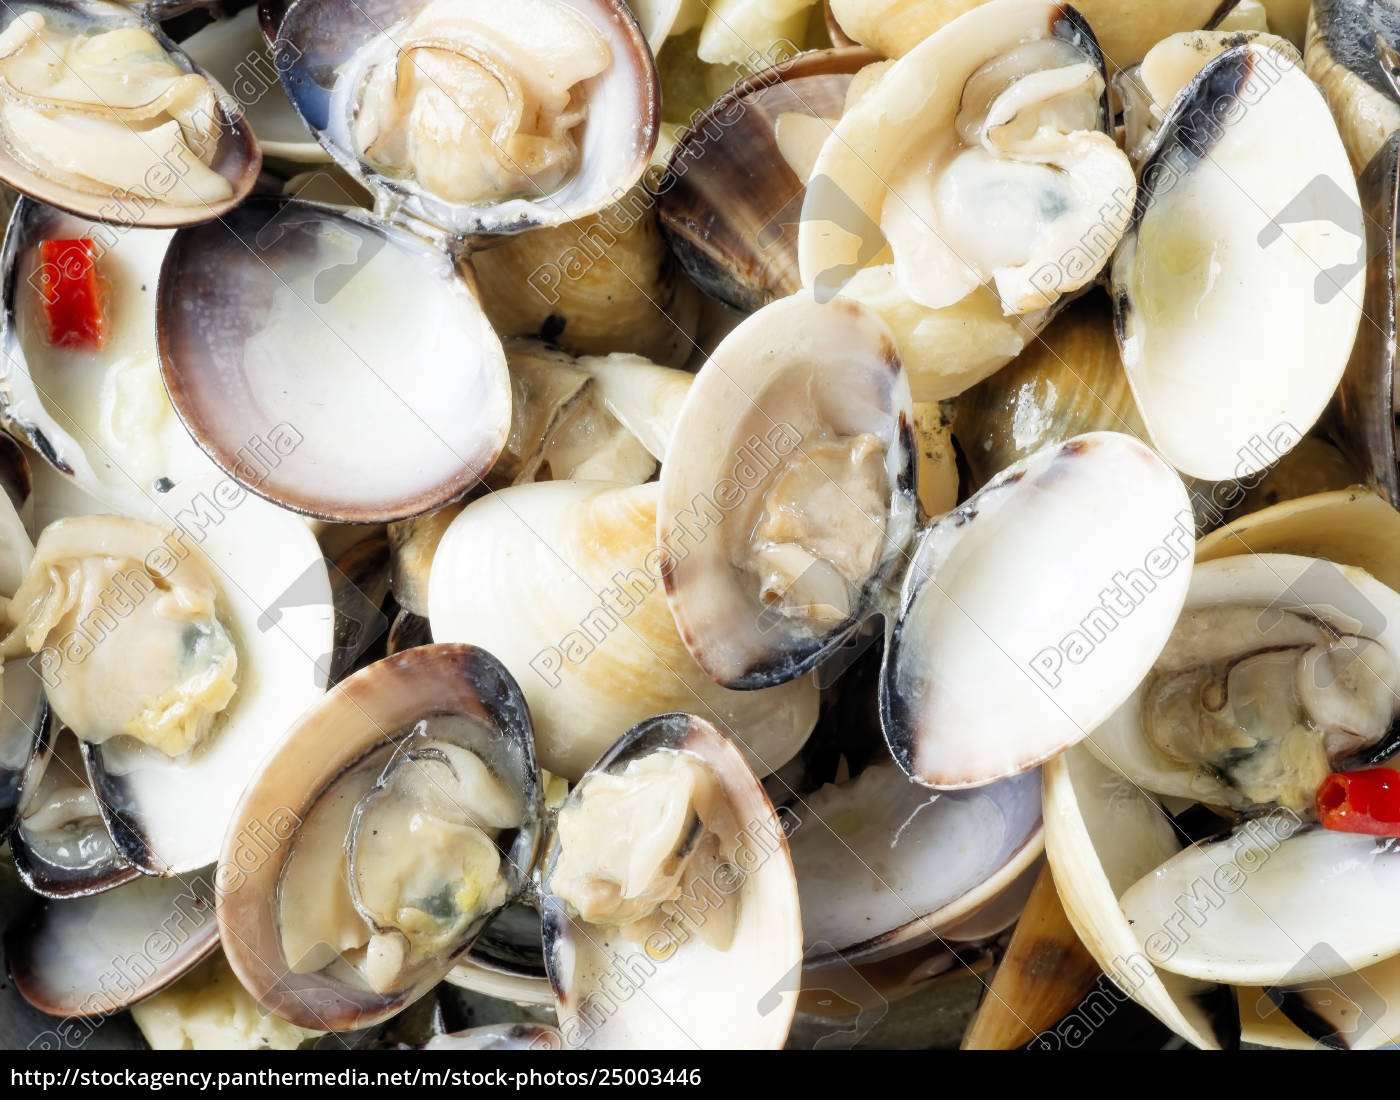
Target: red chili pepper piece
(1361, 802)
(72, 294)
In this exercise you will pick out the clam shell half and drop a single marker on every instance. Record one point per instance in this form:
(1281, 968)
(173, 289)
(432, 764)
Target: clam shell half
(287, 317)
(1220, 229)
(1005, 650)
(237, 157)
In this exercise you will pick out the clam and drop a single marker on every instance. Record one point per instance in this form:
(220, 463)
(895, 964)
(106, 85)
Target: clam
(670, 907)
(855, 994)
(789, 524)
(547, 392)
(117, 458)
(432, 758)
(967, 611)
(660, 19)
(1280, 668)
(998, 119)
(98, 414)
(734, 31)
(1311, 468)
(1349, 1011)
(594, 647)
(127, 130)
(1352, 527)
(731, 197)
(407, 631)
(543, 143)
(1045, 972)
(1217, 229)
(791, 500)
(885, 865)
(1350, 53)
(644, 397)
(319, 295)
(412, 546)
(1366, 408)
(1126, 29)
(426, 821)
(101, 415)
(170, 741)
(90, 957)
(601, 284)
(360, 578)
(1168, 936)
(1266, 926)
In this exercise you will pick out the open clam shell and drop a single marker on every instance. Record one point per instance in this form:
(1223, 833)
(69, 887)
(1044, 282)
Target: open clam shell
(1272, 592)
(1060, 654)
(885, 865)
(336, 764)
(164, 814)
(802, 412)
(332, 45)
(235, 157)
(730, 200)
(719, 972)
(602, 284)
(93, 956)
(333, 328)
(594, 646)
(1218, 229)
(167, 814)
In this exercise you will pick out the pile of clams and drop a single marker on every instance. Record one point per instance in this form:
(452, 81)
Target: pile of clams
(585, 524)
